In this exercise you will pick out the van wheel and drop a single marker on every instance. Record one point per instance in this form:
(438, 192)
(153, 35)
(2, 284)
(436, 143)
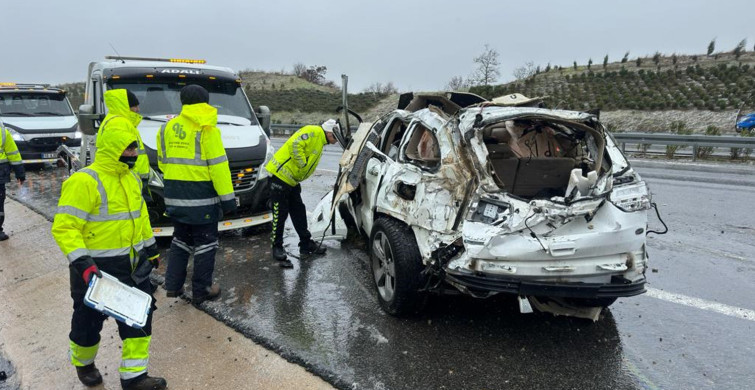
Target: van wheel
(396, 267)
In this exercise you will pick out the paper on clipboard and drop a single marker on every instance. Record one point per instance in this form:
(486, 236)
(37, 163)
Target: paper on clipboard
(120, 301)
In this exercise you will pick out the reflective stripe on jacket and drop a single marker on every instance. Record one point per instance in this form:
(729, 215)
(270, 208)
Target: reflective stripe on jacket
(120, 116)
(9, 156)
(297, 159)
(195, 168)
(101, 212)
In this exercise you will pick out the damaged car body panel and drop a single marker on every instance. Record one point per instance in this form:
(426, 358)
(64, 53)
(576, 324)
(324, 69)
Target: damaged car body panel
(529, 201)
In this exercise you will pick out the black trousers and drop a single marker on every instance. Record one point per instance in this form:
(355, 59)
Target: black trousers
(287, 200)
(86, 322)
(200, 241)
(2, 205)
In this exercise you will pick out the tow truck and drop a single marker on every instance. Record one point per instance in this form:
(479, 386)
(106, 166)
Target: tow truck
(157, 82)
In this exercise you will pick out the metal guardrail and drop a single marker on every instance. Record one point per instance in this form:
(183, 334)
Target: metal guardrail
(696, 141)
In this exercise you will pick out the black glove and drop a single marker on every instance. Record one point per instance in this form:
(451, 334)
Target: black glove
(155, 260)
(85, 266)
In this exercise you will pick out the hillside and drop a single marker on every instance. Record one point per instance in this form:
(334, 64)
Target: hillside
(699, 90)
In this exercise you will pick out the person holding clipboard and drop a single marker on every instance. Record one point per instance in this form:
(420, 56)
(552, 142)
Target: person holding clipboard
(102, 224)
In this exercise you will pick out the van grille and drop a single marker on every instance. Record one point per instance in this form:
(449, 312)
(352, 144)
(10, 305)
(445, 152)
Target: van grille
(244, 178)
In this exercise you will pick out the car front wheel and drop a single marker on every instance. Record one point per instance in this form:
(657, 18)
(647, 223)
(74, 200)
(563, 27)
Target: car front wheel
(396, 267)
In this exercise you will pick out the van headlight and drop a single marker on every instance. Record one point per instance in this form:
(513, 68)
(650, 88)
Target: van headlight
(15, 135)
(77, 134)
(155, 180)
(263, 173)
(632, 197)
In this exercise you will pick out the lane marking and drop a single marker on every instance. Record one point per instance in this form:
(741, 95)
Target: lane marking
(698, 303)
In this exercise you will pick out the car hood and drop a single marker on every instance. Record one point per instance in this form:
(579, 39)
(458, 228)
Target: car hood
(40, 122)
(235, 132)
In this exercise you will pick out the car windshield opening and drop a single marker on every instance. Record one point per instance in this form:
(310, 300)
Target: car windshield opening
(34, 104)
(162, 97)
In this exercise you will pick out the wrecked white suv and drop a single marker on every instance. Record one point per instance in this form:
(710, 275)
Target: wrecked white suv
(455, 191)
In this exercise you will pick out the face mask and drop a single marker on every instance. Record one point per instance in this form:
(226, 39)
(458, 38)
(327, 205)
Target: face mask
(129, 160)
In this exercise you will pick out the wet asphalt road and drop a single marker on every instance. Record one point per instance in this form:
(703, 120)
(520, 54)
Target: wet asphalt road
(323, 313)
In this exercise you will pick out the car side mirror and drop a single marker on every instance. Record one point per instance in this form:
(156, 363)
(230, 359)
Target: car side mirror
(86, 117)
(263, 116)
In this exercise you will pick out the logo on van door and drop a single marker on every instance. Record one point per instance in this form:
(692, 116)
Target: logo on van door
(184, 71)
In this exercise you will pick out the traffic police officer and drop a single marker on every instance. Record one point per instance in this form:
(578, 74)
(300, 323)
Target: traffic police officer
(198, 190)
(9, 158)
(294, 162)
(102, 224)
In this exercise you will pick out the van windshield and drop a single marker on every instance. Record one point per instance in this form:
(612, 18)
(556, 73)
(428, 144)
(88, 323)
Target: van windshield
(162, 97)
(34, 104)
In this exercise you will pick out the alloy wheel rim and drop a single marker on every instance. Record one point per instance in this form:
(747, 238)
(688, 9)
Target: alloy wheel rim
(384, 267)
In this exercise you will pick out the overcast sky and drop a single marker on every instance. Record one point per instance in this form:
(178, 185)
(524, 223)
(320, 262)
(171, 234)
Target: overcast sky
(416, 44)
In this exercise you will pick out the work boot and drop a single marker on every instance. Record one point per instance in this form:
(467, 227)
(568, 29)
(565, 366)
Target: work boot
(3, 236)
(145, 382)
(311, 248)
(89, 375)
(213, 292)
(174, 294)
(279, 253)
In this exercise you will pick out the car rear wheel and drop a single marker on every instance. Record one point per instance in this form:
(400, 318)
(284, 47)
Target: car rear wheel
(396, 267)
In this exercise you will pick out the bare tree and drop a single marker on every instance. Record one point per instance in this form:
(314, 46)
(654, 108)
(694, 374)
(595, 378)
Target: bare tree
(381, 89)
(524, 71)
(457, 83)
(487, 66)
(299, 69)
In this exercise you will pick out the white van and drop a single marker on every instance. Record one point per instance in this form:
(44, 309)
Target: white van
(40, 120)
(156, 83)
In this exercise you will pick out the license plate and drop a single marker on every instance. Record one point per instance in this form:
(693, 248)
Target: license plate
(238, 201)
(49, 155)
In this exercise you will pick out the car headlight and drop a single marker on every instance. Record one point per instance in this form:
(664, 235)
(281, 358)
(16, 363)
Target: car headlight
(632, 197)
(15, 135)
(77, 134)
(263, 173)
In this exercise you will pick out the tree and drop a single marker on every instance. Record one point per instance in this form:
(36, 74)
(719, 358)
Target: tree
(524, 71)
(457, 83)
(657, 58)
(674, 59)
(589, 63)
(625, 58)
(605, 61)
(575, 65)
(315, 74)
(381, 89)
(638, 61)
(487, 66)
(711, 47)
(740, 48)
(299, 69)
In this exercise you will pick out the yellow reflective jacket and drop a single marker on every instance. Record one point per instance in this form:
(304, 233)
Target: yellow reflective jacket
(297, 159)
(120, 116)
(196, 174)
(9, 157)
(102, 214)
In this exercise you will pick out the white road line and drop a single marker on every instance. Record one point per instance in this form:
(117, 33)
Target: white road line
(698, 303)
(326, 170)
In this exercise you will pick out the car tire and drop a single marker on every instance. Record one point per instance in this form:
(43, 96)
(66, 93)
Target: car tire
(396, 267)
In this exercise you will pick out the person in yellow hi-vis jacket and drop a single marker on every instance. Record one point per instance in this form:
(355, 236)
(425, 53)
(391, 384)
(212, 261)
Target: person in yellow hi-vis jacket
(294, 162)
(9, 158)
(102, 225)
(198, 190)
(123, 113)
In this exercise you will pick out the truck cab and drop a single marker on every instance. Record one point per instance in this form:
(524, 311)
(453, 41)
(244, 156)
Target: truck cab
(157, 83)
(40, 120)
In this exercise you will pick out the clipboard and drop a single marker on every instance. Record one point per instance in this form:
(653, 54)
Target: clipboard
(124, 303)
